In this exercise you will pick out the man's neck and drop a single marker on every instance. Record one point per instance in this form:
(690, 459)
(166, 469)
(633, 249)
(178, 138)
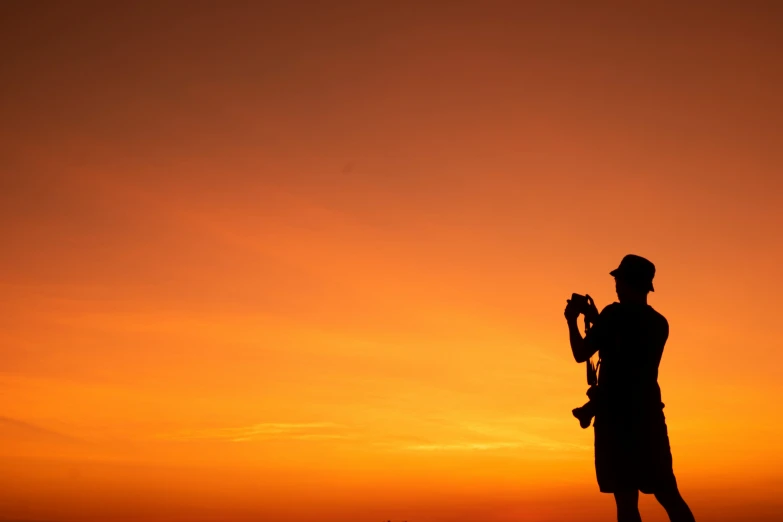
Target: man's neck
(635, 299)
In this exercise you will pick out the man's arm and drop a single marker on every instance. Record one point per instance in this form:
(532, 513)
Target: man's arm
(582, 349)
(579, 348)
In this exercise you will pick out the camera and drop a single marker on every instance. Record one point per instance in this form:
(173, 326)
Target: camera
(585, 413)
(582, 302)
(586, 307)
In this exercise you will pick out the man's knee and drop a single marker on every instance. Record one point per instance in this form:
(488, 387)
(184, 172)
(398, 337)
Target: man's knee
(669, 496)
(627, 498)
(675, 505)
(627, 506)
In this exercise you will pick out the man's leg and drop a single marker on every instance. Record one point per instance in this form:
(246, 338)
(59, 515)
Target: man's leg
(628, 506)
(674, 504)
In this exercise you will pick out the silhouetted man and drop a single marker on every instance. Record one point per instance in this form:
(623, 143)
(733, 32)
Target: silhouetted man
(632, 450)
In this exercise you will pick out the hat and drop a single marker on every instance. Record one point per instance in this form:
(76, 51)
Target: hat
(636, 269)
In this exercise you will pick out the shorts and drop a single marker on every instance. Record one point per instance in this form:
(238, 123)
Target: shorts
(633, 455)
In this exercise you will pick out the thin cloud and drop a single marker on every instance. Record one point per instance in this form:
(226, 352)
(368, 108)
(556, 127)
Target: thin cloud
(261, 431)
(464, 446)
(16, 430)
(494, 436)
(538, 445)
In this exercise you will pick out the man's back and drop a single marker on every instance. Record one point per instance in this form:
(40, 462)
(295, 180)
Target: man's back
(630, 338)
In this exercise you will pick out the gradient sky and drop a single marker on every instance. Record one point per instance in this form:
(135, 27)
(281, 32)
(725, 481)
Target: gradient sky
(292, 262)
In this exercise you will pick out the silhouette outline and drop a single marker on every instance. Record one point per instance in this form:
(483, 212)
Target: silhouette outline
(632, 450)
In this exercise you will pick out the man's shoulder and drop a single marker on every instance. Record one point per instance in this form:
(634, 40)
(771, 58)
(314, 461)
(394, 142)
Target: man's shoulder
(658, 315)
(658, 318)
(617, 311)
(611, 314)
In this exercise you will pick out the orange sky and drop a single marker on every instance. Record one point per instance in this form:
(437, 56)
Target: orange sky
(293, 263)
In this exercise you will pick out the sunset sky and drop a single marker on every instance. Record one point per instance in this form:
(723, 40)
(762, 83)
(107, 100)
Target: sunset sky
(304, 262)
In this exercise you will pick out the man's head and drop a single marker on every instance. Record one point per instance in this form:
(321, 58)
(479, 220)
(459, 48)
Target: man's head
(633, 278)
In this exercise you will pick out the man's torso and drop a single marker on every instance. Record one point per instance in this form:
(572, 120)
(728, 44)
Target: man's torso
(631, 343)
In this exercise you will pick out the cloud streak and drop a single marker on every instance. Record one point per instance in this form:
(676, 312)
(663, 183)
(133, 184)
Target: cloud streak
(464, 446)
(479, 436)
(261, 431)
(538, 445)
